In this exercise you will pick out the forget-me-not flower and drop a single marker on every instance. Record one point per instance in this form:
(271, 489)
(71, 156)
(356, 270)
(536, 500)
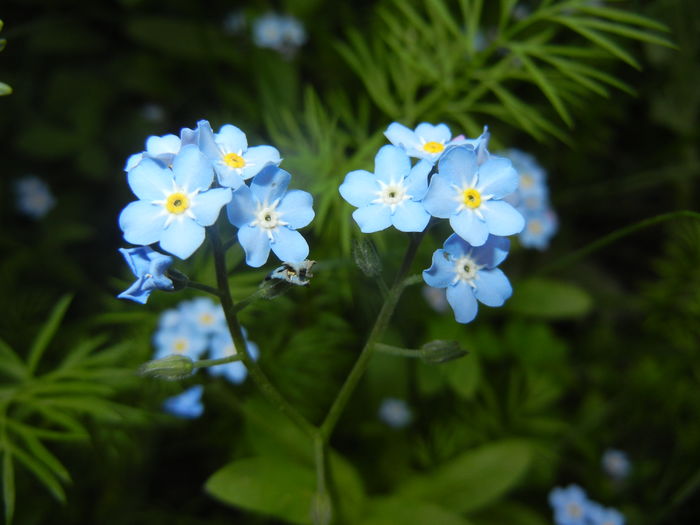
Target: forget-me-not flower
(181, 339)
(599, 515)
(222, 346)
(469, 273)
(267, 217)
(283, 33)
(395, 412)
(616, 464)
(187, 405)
(34, 198)
(570, 505)
(149, 267)
(469, 194)
(430, 141)
(230, 155)
(205, 316)
(389, 196)
(175, 204)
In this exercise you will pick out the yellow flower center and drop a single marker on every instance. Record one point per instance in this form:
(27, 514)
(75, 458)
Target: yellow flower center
(234, 160)
(574, 510)
(471, 198)
(177, 203)
(206, 319)
(527, 181)
(535, 226)
(180, 345)
(433, 147)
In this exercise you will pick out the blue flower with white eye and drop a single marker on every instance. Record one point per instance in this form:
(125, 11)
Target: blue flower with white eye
(429, 142)
(389, 196)
(149, 267)
(469, 273)
(395, 412)
(204, 315)
(222, 346)
(599, 515)
(34, 198)
(181, 339)
(162, 149)
(175, 204)
(570, 505)
(616, 464)
(187, 405)
(469, 194)
(233, 161)
(267, 217)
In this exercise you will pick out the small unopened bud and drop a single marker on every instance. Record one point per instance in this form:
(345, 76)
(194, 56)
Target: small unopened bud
(321, 509)
(439, 351)
(171, 368)
(366, 257)
(178, 278)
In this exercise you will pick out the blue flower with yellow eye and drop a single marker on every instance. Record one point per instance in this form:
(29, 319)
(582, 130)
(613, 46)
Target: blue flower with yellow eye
(571, 505)
(181, 339)
(429, 142)
(187, 405)
(149, 267)
(469, 274)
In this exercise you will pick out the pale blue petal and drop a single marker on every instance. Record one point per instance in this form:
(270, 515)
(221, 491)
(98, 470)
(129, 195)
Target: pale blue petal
(400, 135)
(458, 165)
(429, 133)
(492, 287)
(207, 205)
(391, 164)
(235, 372)
(502, 218)
(149, 181)
(410, 216)
(241, 209)
(231, 139)
(470, 227)
(493, 252)
(189, 136)
(133, 161)
(289, 245)
(440, 200)
(206, 142)
(417, 180)
(256, 245)
(457, 247)
(372, 218)
(441, 273)
(462, 300)
(137, 259)
(228, 177)
(142, 222)
(359, 188)
(296, 208)
(257, 157)
(166, 145)
(270, 184)
(182, 237)
(136, 292)
(193, 170)
(497, 177)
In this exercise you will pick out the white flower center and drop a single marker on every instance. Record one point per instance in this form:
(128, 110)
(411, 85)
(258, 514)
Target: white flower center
(466, 270)
(391, 194)
(268, 218)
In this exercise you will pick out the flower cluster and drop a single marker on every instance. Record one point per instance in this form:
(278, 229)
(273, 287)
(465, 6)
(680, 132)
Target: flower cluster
(572, 507)
(455, 179)
(182, 183)
(532, 200)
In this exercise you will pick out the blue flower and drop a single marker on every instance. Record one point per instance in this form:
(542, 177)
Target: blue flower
(34, 198)
(429, 142)
(267, 217)
(162, 149)
(469, 273)
(616, 464)
(186, 405)
(230, 155)
(281, 33)
(469, 194)
(204, 315)
(222, 346)
(175, 204)
(182, 339)
(599, 515)
(390, 196)
(539, 229)
(570, 505)
(149, 267)
(395, 412)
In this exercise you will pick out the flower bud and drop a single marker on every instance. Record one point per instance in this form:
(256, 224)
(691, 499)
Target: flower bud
(366, 257)
(439, 351)
(171, 368)
(178, 278)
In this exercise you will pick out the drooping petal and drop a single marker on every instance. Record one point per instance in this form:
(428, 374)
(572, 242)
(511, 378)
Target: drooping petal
(256, 245)
(142, 222)
(458, 165)
(372, 218)
(270, 184)
(206, 206)
(231, 139)
(441, 273)
(193, 170)
(492, 287)
(400, 135)
(136, 292)
(439, 201)
(150, 181)
(497, 177)
(391, 164)
(289, 245)
(456, 246)
(359, 188)
(137, 259)
(410, 216)
(241, 209)
(462, 300)
(470, 227)
(493, 252)
(182, 237)
(429, 133)
(296, 208)
(502, 218)
(257, 157)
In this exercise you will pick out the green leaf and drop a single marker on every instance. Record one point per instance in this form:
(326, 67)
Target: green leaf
(628, 32)
(8, 486)
(463, 376)
(41, 472)
(622, 16)
(474, 479)
(47, 331)
(39, 451)
(393, 510)
(549, 90)
(11, 363)
(548, 298)
(514, 513)
(5, 89)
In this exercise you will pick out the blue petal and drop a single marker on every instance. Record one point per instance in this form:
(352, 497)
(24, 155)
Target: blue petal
(231, 139)
(207, 205)
(417, 180)
(166, 145)
(241, 209)
(372, 218)
(410, 216)
(470, 227)
(142, 222)
(391, 164)
(270, 184)
(296, 208)
(441, 273)
(359, 188)
(440, 200)
(137, 259)
(256, 245)
(440, 133)
(228, 177)
(182, 237)
(492, 287)
(257, 157)
(150, 181)
(493, 252)
(502, 218)
(193, 171)
(133, 161)
(400, 135)
(458, 164)
(497, 177)
(462, 300)
(136, 292)
(206, 142)
(189, 136)
(289, 245)
(457, 247)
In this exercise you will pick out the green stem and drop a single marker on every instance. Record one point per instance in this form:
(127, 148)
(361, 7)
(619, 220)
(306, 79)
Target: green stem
(204, 288)
(213, 362)
(395, 350)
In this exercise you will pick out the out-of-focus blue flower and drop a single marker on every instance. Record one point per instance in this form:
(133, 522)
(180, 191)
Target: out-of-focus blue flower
(281, 33)
(469, 273)
(267, 217)
(153, 113)
(616, 464)
(182, 339)
(470, 195)
(222, 346)
(230, 155)
(389, 196)
(149, 267)
(599, 515)
(539, 229)
(34, 198)
(205, 316)
(436, 298)
(429, 142)
(570, 505)
(395, 413)
(175, 204)
(234, 22)
(187, 405)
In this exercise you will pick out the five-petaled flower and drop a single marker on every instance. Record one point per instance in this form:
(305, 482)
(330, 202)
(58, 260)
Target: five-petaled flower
(389, 196)
(429, 142)
(571, 505)
(149, 267)
(469, 273)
